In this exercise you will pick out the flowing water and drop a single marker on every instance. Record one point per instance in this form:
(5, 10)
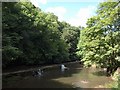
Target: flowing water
(75, 77)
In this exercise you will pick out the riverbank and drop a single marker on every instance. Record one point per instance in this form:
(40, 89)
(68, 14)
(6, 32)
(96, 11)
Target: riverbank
(22, 69)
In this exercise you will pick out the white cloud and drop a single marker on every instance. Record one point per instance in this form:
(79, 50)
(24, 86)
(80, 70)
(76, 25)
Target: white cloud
(58, 11)
(81, 17)
(37, 2)
(43, 1)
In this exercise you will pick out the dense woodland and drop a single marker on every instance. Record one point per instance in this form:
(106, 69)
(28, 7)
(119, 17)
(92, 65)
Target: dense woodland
(33, 37)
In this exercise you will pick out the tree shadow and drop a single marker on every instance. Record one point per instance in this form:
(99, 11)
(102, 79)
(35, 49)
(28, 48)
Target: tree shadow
(45, 81)
(100, 73)
(37, 83)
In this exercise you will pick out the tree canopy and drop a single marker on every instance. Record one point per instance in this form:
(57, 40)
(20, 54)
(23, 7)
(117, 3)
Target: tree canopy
(100, 41)
(33, 37)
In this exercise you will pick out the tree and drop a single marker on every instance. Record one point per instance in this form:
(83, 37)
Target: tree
(31, 36)
(99, 41)
(71, 36)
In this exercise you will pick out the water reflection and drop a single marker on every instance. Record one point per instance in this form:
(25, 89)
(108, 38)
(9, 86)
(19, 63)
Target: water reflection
(76, 76)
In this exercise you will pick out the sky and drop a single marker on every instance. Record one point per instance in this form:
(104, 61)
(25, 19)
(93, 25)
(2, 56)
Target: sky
(74, 12)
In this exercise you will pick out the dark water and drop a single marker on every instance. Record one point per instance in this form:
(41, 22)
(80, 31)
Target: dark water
(76, 76)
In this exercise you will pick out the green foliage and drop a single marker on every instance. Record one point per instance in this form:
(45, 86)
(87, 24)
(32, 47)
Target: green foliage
(100, 40)
(31, 36)
(115, 85)
(71, 37)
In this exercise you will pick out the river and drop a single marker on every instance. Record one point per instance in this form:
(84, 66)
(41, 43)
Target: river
(75, 77)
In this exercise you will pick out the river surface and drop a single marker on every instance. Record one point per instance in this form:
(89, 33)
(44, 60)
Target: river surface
(75, 77)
